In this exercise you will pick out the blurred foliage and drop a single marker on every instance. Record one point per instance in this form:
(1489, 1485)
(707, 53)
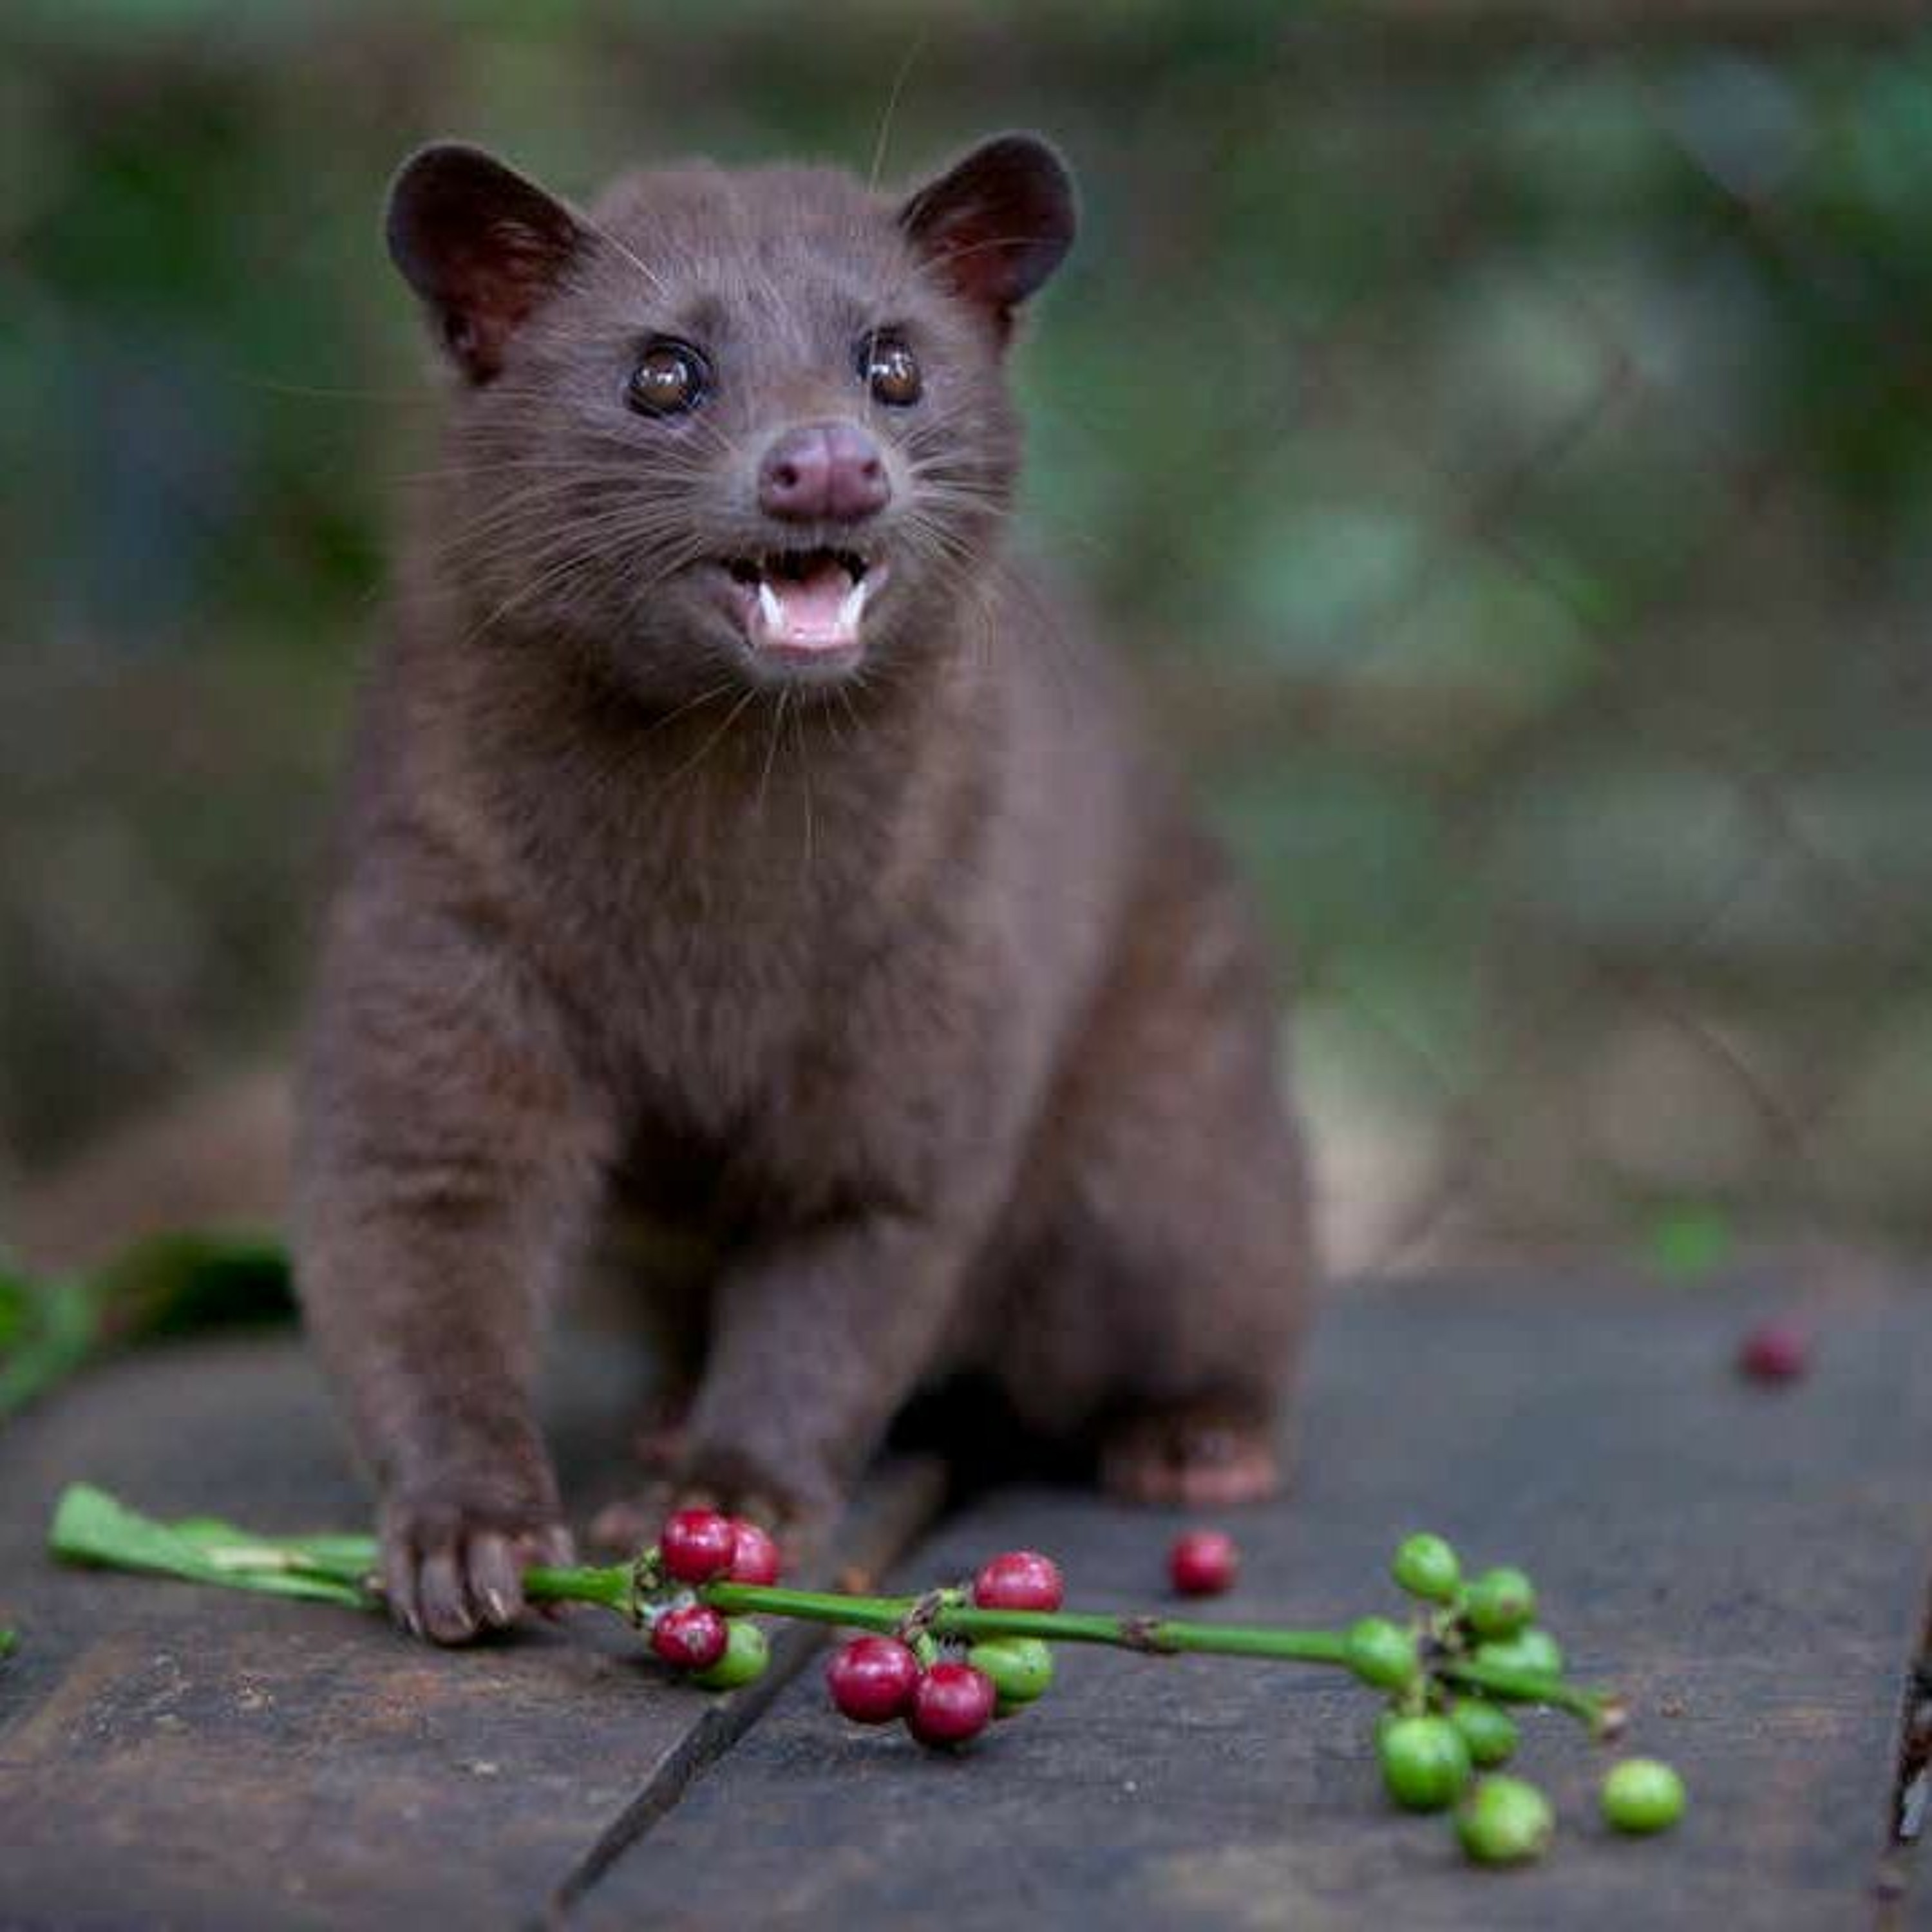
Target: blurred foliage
(1510, 460)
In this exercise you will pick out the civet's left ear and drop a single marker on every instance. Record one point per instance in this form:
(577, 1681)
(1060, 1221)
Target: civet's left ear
(997, 225)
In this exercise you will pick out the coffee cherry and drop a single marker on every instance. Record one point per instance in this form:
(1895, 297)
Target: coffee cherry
(755, 1556)
(1382, 1654)
(1643, 1794)
(1487, 1729)
(1427, 1566)
(696, 1545)
(692, 1636)
(1204, 1563)
(1499, 1603)
(1505, 1821)
(1022, 1579)
(1021, 1667)
(871, 1678)
(951, 1703)
(1775, 1352)
(1532, 1649)
(1425, 1763)
(746, 1654)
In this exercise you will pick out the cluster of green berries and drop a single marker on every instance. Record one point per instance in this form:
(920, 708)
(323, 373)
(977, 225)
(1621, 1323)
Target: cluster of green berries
(947, 1692)
(1433, 1739)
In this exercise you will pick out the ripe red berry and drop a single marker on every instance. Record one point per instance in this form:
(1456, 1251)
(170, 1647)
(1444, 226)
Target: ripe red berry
(754, 1557)
(692, 1636)
(1203, 1562)
(950, 1703)
(1775, 1352)
(697, 1545)
(871, 1678)
(1022, 1579)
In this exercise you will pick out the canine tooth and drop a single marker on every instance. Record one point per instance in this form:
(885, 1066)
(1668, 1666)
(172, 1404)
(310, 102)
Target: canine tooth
(770, 608)
(852, 608)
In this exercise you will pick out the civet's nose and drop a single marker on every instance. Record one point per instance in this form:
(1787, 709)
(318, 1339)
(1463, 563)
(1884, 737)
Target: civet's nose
(823, 473)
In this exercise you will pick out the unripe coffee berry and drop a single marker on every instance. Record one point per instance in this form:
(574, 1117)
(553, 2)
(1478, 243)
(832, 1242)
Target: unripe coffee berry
(1425, 1763)
(1487, 1729)
(1427, 1566)
(1204, 1563)
(692, 1636)
(1505, 1821)
(1500, 1603)
(755, 1556)
(950, 1704)
(697, 1545)
(871, 1678)
(1382, 1654)
(1021, 1667)
(1533, 1650)
(1022, 1579)
(1642, 1795)
(746, 1654)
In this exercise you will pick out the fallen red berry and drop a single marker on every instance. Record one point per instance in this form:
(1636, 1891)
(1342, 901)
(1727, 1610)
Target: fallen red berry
(950, 1703)
(697, 1545)
(693, 1637)
(1022, 1579)
(1204, 1563)
(871, 1678)
(755, 1556)
(1775, 1352)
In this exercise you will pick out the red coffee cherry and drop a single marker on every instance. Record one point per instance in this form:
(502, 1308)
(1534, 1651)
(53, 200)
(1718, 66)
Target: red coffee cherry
(871, 1678)
(755, 1556)
(693, 1637)
(1022, 1579)
(1204, 1563)
(951, 1703)
(1775, 1352)
(697, 1545)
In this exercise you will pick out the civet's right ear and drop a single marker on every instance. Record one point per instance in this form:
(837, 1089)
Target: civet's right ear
(482, 246)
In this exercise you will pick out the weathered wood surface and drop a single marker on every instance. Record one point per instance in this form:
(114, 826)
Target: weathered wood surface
(172, 1756)
(1753, 1561)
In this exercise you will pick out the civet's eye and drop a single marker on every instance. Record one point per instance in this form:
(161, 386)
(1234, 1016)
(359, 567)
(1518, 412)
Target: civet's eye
(671, 378)
(890, 369)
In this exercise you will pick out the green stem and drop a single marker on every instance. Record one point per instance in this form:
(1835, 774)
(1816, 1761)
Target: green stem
(1159, 1633)
(1604, 1714)
(614, 1588)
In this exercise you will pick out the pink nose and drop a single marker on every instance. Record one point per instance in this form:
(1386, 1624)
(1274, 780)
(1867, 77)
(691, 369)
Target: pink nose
(828, 472)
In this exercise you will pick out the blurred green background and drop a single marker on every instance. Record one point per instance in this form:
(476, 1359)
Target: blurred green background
(1502, 437)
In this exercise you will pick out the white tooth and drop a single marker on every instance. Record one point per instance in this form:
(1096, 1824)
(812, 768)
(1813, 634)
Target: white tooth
(770, 609)
(852, 610)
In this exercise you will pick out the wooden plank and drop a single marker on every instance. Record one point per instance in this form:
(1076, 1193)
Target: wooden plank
(1748, 1563)
(171, 1757)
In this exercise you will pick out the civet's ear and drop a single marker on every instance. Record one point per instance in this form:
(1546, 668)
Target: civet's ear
(998, 223)
(480, 245)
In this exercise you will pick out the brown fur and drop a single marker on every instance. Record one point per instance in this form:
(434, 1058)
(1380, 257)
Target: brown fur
(914, 994)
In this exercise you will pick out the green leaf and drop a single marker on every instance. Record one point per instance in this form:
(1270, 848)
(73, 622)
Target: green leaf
(91, 1526)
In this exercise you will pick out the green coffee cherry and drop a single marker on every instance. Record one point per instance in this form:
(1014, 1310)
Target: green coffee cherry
(1383, 1654)
(1500, 1603)
(1505, 1821)
(1021, 1667)
(1642, 1794)
(1425, 1763)
(746, 1654)
(1487, 1729)
(1533, 1650)
(1427, 1566)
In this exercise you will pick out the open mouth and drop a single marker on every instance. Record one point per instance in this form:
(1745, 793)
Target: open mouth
(803, 603)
